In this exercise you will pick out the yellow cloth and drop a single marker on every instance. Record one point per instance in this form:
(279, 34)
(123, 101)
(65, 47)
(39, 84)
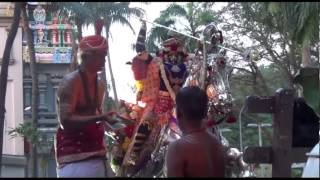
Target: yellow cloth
(139, 85)
(126, 143)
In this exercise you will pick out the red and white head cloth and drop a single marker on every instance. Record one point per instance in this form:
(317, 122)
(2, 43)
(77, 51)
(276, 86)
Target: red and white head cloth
(95, 43)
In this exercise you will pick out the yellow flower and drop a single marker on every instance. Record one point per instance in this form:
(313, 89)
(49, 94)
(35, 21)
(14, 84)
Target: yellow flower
(139, 85)
(125, 144)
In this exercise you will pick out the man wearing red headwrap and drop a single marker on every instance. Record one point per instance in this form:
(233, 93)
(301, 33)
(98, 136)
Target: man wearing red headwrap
(79, 144)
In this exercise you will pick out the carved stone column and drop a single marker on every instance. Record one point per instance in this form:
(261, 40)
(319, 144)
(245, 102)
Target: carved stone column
(59, 38)
(55, 80)
(35, 36)
(68, 37)
(27, 87)
(54, 37)
(43, 80)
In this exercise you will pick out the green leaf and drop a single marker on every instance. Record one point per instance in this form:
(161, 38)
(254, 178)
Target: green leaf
(308, 78)
(274, 7)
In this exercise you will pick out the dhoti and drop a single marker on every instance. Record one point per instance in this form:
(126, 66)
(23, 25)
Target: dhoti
(85, 168)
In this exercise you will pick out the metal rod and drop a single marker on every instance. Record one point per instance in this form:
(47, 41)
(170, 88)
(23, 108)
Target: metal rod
(188, 35)
(159, 25)
(204, 66)
(240, 128)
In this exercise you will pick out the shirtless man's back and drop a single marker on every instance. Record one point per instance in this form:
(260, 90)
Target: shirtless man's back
(198, 153)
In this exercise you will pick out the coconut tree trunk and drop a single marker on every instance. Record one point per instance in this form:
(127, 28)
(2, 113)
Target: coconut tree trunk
(107, 27)
(112, 81)
(79, 27)
(306, 57)
(74, 58)
(74, 64)
(35, 90)
(4, 70)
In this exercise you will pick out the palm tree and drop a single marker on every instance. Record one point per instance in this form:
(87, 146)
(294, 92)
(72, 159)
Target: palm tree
(195, 13)
(35, 89)
(158, 34)
(4, 68)
(301, 21)
(113, 12)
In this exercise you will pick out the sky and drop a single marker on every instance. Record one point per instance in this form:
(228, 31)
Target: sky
(121, 51)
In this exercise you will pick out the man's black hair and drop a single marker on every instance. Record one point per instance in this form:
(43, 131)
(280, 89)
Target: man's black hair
(192, 102)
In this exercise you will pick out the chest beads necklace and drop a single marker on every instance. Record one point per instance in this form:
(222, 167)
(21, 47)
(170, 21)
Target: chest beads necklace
(92, 103)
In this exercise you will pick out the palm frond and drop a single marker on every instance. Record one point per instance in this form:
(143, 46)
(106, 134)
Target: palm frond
(173, 10)
(158, 34)
(122, 20)
(205, 17)
(273, 7)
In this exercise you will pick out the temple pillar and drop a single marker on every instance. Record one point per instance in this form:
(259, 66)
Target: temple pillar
(35, 36)
(27, 86)
(63, 38)
(54, 37)
(45, 35)
(59, 38)
(68, 37)
(55, 80)
(42, 92)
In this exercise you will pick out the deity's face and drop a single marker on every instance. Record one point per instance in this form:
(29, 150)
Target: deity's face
(39, 7)
(143, 55)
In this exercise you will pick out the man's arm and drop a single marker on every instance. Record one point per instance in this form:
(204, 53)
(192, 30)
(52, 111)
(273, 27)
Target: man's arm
(67, 99)
(174, 161)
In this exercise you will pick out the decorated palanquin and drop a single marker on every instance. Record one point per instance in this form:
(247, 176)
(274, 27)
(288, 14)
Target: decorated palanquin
(131, 112)
(158, 79)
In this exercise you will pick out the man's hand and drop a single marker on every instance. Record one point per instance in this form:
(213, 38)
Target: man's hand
(139, 96)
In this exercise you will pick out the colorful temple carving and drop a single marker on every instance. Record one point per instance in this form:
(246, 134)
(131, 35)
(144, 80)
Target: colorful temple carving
(51, 35)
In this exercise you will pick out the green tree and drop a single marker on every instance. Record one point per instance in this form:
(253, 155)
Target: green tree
(250, 25)
(34, 137)
(249, 21)
(300, 20)
(4, 68)
(244, 26)
(194, 13)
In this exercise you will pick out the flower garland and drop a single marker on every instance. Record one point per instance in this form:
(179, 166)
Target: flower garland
(165, 79)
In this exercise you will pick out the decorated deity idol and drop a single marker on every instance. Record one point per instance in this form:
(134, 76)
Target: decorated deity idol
(159, 79)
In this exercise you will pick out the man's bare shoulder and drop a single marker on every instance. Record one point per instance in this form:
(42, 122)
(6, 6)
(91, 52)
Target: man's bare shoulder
(69, 81)
(176, 150)
(180, 145)
(193, 141)
(71, 77)
(214, 139)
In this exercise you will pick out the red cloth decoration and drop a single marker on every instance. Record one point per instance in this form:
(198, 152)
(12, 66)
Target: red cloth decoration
(171, 43)
(231, 119)
(129, 130)
(210, 123)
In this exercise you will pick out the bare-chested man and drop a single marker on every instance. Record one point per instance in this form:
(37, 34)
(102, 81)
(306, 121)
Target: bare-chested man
(79, 145)
(198, 153)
